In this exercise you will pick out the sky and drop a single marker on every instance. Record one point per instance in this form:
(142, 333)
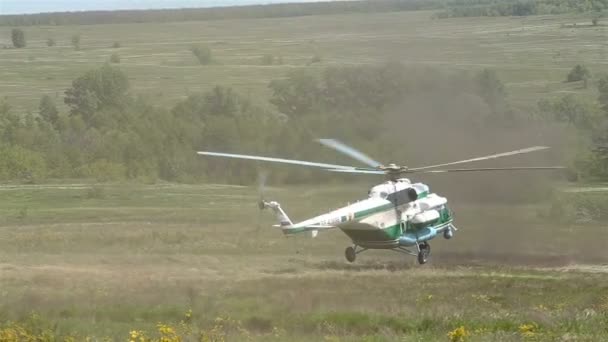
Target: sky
(37, 6)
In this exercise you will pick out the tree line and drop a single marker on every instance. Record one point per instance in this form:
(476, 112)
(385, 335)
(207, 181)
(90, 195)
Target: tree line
(446, 9)
(219, 13)
(388, 110)
(495, 8)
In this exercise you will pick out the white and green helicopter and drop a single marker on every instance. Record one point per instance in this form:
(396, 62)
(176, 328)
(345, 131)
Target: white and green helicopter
(397, 215)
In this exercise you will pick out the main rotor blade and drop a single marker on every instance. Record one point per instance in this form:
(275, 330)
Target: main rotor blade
(516, 168)
(349, 151)
(493, 156)
(276, 160)
(362, 171)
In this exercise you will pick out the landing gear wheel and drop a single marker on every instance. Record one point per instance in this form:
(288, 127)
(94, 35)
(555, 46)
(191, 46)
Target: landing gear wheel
(448, 234)
(423, 255)
(350, 254)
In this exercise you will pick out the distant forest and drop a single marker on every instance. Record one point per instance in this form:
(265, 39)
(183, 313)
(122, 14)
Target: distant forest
(445, 8)
(217, 13)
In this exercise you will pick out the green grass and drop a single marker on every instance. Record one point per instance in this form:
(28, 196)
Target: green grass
(101, 260)
(106, 262)
(532, 55)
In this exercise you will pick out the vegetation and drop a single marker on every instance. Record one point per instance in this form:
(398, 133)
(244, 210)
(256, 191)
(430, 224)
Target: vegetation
(202, 54)
(493, 8)
(115, 58)
(267, 59)
(76, 41)
(579, 73)
(158, 259)
(240, 12)
(51, 42)
(109, 134)
(89, 252)
(18, 38)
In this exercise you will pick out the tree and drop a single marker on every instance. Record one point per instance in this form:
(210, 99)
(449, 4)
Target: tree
(492, 91)
(115, 58)
(579, 73)
(76, 41)
(221, 101)
(523, 8)
(298, 94)
(267, 59)
(602, 87)
(18, 37)
(48, 111)
(97, 89)
(582, 114)
(202, 54)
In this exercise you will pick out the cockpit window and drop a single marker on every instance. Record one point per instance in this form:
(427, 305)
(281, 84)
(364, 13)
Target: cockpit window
(374, 194)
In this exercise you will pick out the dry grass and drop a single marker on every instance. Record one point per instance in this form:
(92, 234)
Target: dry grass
(532, 54)
(99, 275)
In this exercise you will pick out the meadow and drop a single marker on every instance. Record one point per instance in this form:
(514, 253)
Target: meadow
(532, 55)
(107, 261)
(199, 262)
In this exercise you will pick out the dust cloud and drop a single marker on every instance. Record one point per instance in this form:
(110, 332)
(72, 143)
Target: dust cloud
(444, 120)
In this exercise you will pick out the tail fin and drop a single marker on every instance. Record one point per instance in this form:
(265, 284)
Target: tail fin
(284, 220)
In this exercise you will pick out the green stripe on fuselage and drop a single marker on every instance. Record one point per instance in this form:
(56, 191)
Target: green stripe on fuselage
(381, 234)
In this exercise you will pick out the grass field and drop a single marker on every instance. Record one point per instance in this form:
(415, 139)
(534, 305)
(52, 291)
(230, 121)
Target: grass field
(531, 54)
(102, 261)
(113, 261)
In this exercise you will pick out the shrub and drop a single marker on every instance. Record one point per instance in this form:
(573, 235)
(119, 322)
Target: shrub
(18, 37)
(50, 42)
(96, 192)
(267, 59)
(578, 73)
(76, 41)
(115, 58)
(202, 54)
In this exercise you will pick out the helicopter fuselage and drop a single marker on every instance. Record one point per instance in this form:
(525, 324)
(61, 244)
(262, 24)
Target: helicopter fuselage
(396, 213)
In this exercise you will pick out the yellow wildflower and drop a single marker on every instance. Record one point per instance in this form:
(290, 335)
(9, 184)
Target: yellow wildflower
(137, 336)
(458, 335)
(528, 330)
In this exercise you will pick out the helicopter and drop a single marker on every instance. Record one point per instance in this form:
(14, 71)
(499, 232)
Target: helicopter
(397, 214)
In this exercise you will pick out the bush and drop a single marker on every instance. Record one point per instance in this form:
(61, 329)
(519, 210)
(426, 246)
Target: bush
(50, 42)
(76, 41)
(96, 192)
(22, 164)
(202, 54)
(116, 45)
(103, 171)
(18, 37)
(115, 58)
(579, 207)
(578, 73)
(267, 59)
